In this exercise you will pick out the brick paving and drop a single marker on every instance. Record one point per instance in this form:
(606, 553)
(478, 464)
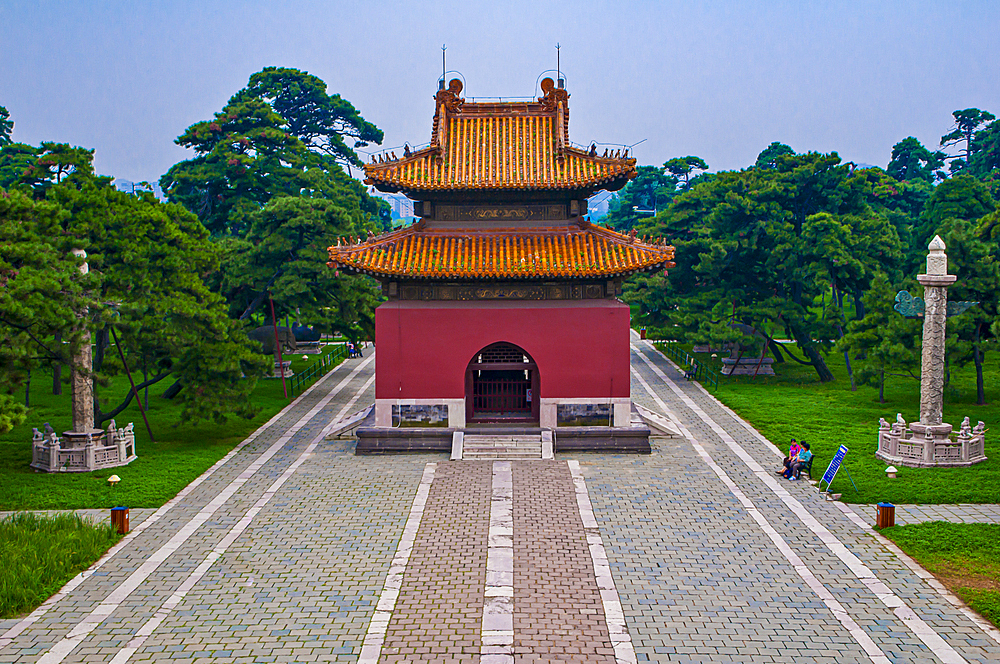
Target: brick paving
(439, 612)
(699, 577)
(558, 614)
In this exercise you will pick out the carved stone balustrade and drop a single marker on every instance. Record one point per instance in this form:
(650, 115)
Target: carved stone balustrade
(927, 446)
(101, 449)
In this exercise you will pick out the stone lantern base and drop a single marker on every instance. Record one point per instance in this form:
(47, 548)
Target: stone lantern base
(930, 445)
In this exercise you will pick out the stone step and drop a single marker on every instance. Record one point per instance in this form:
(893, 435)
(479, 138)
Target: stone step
(484, 446)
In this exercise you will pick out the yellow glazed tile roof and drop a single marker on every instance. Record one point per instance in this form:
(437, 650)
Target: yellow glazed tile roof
(537, 253)
(501, 146)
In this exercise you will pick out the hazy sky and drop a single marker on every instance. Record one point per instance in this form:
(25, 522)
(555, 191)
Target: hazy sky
(715, 79)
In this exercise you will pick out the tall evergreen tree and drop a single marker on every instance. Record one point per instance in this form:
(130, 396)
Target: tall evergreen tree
(759, 246)
(883, 343)
(967, 123)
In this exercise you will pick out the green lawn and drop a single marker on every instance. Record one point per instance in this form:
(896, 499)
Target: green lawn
(39, 554)
(965, 557)
(180, 454)
(794, 403)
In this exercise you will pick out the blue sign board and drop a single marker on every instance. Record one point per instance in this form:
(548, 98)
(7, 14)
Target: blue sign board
(831, 470)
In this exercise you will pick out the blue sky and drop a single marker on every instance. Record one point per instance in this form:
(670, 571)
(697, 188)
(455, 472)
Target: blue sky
(716, 79)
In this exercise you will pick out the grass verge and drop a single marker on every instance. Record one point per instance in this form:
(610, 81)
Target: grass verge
(182, 451)
(39, 554)
(965, 557)
(794, 403)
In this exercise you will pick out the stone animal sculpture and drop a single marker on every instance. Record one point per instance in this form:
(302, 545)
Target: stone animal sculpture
(304, 333)
(265, 335)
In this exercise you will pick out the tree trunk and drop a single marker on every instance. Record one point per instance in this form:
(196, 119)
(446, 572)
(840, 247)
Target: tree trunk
(27, 391)
(102, 343)
(839, 297)
(57, 369)
(825, 375)
(859, 306)
(977, 356)
(100, 418)
(881, 386)
(173, 390)
(776, 351)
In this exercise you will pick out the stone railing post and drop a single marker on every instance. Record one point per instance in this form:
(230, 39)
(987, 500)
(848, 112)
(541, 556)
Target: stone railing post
(53, 449)
(88, 453)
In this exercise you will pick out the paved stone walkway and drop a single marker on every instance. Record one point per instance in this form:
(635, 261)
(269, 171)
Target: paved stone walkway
(908, 514)
(290, 548)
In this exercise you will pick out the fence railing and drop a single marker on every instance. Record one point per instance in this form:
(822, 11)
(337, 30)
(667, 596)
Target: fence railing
(324, 364)
(692, 368)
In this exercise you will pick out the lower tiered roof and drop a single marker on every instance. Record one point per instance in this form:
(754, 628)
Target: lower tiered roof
(584, 251)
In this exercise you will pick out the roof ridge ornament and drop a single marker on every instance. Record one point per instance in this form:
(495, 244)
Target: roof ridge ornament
(552, 95)
(451, 97)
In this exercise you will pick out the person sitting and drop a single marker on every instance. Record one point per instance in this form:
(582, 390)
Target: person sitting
(792, 451)
(799, 462)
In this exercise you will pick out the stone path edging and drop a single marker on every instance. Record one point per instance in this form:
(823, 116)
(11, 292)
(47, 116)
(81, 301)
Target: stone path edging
(836, 608)
(64, 646)
(614, 615)
(10, 634)
(371, 649)
(988, 513)
(941, 648)
(497, 631)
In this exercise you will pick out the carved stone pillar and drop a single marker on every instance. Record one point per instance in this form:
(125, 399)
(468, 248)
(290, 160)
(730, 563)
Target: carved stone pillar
(935, 283)
(80, 378)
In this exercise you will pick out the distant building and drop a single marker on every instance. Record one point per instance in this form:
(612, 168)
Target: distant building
(598, 205)
(402, 207)
(130, 187)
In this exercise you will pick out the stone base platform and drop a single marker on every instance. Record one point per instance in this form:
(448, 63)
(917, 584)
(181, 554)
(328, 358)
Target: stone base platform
(747, 366)
(385, 440)
(931, 445)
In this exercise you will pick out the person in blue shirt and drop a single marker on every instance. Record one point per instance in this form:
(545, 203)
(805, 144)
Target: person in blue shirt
(798, 463)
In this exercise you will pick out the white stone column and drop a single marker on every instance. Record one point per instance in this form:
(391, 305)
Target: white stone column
(935, 283)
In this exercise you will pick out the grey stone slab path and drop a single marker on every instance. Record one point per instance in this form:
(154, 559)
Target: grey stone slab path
(909, 514)
(136, 515)
(703, 580)
(283, 552)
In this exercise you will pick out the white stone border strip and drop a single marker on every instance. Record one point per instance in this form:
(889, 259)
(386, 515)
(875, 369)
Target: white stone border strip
(950, 597)
(8, 637)
(68, 643)
(870, 647)
(498, 610)
(614, 615)
(917, 569)
(906, 615)
(234, 533)
(371, 648)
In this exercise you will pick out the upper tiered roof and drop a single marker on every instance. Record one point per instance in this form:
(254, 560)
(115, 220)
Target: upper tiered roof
(500, 146)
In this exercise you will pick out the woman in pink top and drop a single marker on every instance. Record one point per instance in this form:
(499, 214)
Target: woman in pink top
(792, 452)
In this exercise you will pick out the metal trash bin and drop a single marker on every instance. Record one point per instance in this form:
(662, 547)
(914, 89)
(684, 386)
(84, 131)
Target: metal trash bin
(119, 520)
(886, 516)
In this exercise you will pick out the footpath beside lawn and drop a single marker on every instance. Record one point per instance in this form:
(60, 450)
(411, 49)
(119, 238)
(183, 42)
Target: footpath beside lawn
(795, 404)
(182, 451)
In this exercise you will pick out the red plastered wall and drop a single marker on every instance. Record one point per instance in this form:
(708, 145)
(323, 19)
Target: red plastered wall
(423, 348)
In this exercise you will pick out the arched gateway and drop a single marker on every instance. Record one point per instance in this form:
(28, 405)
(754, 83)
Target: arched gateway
(503, 258)
(502, 385)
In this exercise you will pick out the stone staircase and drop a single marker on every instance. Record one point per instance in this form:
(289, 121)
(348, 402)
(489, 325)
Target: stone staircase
(501, 446)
